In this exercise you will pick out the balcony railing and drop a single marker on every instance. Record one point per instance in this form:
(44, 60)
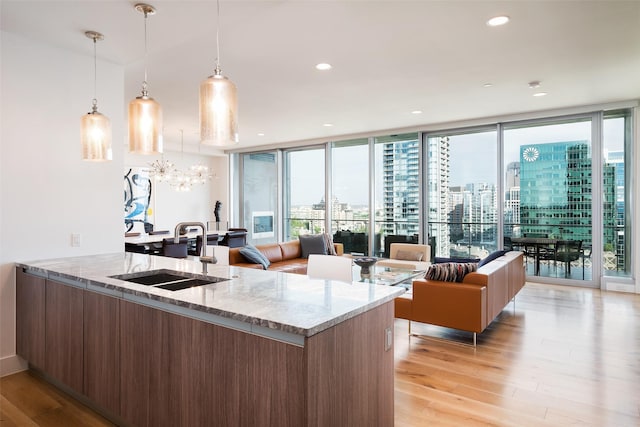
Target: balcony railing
(475, 239)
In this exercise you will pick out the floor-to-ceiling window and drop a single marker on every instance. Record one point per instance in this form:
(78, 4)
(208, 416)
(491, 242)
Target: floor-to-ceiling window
(259, 196)
(548, 182)
(462, 192)
(617, 186)
(470, 191)
(350, 219)
(304, 192)
(397, 190)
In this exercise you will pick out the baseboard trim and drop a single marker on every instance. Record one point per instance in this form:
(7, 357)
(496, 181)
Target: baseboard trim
(12, 364)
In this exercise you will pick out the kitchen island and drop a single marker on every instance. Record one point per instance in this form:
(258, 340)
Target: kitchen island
(256, 348)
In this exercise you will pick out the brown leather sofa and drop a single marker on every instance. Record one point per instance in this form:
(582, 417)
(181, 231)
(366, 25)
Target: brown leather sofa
(471, 305)
(285, 257)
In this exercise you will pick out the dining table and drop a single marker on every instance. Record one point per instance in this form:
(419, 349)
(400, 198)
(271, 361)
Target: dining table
(152, 242)
(540, 245)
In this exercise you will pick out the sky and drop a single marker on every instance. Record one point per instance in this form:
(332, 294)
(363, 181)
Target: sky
(473, 159)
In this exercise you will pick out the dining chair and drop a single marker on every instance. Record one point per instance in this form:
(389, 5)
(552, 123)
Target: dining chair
(212, 240)
(175, 250)
(566, 252)
(330, 267)
(234, 239)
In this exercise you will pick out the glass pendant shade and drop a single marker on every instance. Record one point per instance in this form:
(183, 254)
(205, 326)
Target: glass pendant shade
(145, 126)
(218, 111)
(95, 136)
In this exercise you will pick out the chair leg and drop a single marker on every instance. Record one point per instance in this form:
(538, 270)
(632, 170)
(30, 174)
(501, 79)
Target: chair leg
(409, 327)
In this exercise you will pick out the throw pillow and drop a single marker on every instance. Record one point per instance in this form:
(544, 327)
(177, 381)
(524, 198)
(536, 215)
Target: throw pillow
(442, 260)
(409, 255)
(312, 244)
(328, 241)
(450, 272)
(252, 254)
(491, 257)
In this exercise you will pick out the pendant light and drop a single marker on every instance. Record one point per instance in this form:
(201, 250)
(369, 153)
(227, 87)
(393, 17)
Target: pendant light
(218, 104)
(145, 114)
(95, 128)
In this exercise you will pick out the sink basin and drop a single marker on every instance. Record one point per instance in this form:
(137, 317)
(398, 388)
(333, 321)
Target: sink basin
(154, 279)
(168, 279)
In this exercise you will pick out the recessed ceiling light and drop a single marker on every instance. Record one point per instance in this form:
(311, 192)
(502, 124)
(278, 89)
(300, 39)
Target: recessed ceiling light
(497, 21)
(534, 84)
(323, 66)
(487, 85)
(540, 94)
(327, 125)
(416, 112)
(261, 134)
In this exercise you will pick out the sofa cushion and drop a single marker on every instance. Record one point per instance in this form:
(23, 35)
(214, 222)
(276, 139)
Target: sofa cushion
(451, 271)
(409, 255)
(271, 251)
(252, 254)
(443, 260)
(290, 250)
(312, 244)
(491, 257)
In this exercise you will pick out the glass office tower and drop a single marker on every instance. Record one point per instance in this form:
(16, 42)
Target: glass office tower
(555, 191)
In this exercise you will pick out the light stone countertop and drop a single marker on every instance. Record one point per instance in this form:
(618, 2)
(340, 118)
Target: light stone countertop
(282, 306)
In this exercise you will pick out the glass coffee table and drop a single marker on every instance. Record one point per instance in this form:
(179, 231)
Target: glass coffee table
(388, 276)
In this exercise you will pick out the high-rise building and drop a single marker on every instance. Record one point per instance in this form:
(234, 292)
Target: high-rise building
(512, 199)
(473, 215)
(615, 160)
(556, 191)
(401, 187)
(439, 203)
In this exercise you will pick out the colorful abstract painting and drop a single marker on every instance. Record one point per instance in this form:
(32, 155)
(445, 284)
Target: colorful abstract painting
(137, 196)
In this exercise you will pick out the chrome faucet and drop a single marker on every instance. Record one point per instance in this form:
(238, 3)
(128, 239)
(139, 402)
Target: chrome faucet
(204, 259)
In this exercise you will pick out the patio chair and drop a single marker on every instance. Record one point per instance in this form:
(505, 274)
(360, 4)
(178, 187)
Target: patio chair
(566, 252)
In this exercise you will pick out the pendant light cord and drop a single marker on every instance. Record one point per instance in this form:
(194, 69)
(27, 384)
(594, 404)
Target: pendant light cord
(95, 76)
(218, 37)
(146, 54)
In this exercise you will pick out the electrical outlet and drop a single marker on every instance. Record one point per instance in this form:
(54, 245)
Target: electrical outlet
(388, 339)
(76, 239)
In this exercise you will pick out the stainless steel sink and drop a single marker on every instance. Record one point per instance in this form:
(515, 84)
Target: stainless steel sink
(168, 279)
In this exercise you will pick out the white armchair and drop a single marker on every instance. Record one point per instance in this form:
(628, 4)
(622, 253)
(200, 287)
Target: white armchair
(407, 255)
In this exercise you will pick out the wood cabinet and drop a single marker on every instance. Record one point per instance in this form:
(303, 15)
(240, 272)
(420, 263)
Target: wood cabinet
(152, 368)
(181, 371)
(144, 366)
(101, 350)
(64, 334)
(30, 317)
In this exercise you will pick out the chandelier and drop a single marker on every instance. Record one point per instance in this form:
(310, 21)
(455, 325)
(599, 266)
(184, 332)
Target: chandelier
(165, 171)
(162, 170)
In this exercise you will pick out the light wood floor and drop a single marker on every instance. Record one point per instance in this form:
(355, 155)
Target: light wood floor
(564, 356)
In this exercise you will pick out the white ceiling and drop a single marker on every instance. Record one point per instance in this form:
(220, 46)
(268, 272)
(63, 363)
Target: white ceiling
(389, 58)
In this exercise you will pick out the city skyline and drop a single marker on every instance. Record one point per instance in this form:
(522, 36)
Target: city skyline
(478, 149)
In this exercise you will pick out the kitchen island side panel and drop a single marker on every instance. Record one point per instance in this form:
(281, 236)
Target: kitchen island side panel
(350, 372)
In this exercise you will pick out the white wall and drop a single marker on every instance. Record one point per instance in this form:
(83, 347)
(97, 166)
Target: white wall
(47, 192)
(169, 206)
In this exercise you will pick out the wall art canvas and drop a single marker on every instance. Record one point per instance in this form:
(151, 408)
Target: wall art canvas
(137, 198)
